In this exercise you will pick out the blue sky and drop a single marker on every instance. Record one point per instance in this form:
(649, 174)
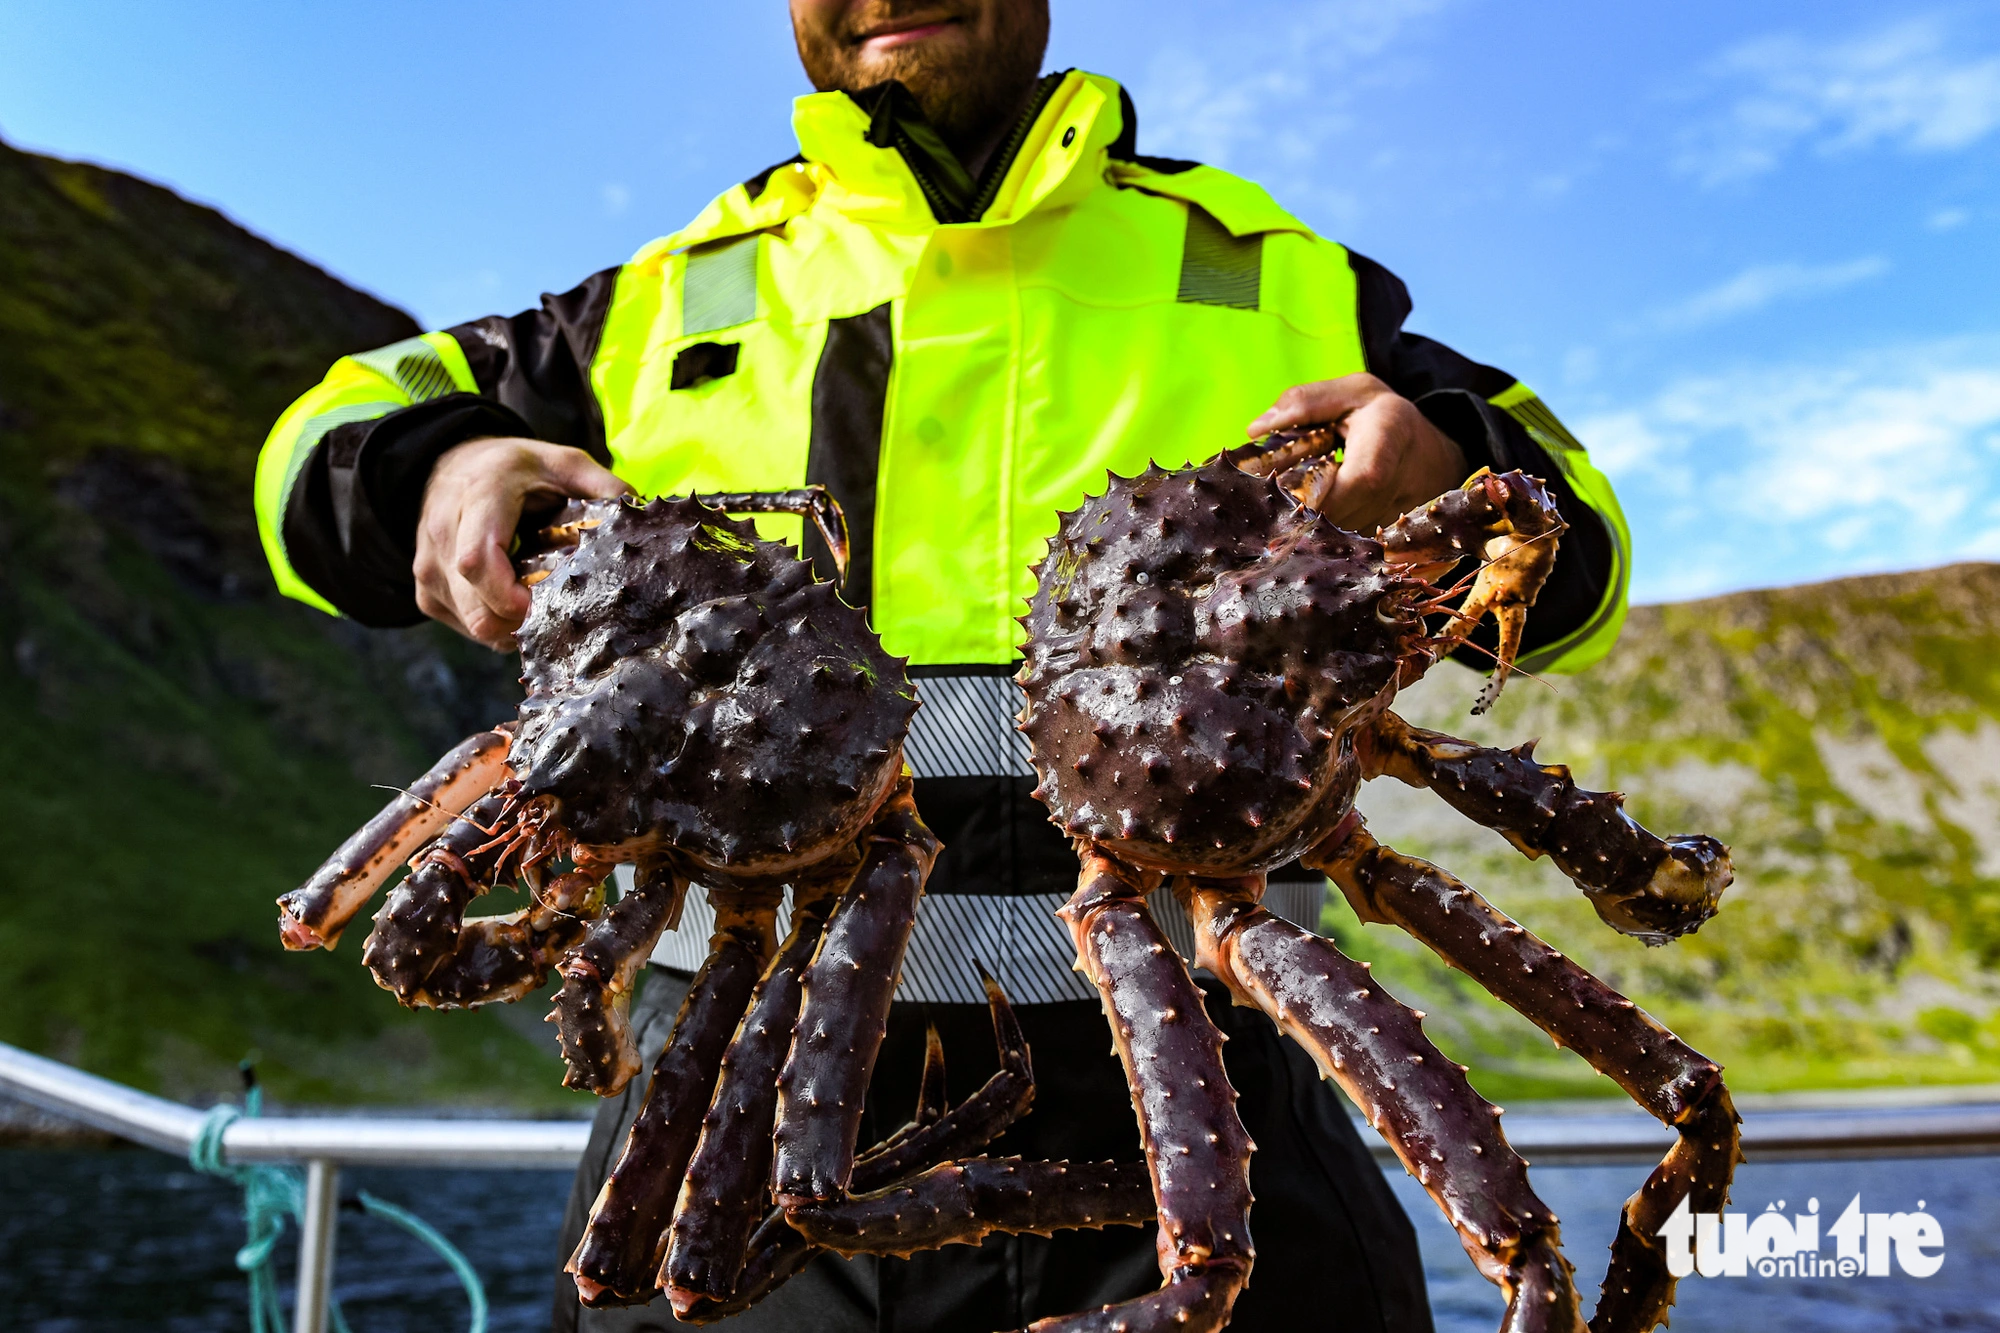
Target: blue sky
(1750, 252)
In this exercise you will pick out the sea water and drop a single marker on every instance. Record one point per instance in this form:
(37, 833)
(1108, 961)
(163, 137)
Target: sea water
(1962, 1193)
(132, 1240)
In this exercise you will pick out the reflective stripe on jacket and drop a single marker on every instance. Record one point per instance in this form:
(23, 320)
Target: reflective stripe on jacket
(957, 360)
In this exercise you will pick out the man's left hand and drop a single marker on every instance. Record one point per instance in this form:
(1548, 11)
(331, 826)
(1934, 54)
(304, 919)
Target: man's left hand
(1395, 458)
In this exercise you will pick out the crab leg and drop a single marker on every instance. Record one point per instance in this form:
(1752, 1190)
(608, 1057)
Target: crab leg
(728, 1179)
(962, 1203)
(1658, 1070)
(499, 959)
(1641, 885)
(313, 915)
(624, 1242)
(774, 1256)
(1196, 1146)
(814, 503)
(845, 1009)
(966, 1127)
(1302, 461)
(1511, 521)
(1447, 1135)
(590, 1009)
(417, 929)
(546, 546)
(935, 1135)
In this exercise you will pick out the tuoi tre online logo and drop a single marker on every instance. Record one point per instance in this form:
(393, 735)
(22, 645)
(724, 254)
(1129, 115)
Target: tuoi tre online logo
(1771, 1244)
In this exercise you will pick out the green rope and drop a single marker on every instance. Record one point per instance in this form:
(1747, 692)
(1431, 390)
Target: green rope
(475, 1290)
(273, 1193)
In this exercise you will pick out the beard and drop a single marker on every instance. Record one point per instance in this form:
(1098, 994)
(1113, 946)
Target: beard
(965, 86)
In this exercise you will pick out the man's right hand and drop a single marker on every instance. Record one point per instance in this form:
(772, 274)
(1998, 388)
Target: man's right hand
(472, 505)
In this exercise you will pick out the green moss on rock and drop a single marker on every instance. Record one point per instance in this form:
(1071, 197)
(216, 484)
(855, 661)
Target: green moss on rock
(1844, 739)
(178, 745)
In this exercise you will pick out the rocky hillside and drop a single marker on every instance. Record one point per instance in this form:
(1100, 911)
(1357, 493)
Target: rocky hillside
(1844, 739)
(178, 744)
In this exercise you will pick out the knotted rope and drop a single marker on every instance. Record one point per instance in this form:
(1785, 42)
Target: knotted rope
(273, 1193)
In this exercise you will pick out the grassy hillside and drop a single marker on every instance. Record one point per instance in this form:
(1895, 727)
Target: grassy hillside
(1844, 739)
(178, 745)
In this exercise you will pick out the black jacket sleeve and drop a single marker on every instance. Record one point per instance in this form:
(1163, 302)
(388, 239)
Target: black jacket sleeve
(350, 521)
(1455, 393)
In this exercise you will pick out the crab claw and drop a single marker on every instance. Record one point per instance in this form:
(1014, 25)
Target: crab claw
(1511, 521)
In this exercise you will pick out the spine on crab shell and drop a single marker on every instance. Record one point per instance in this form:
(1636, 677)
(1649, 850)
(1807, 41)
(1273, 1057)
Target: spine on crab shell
(962, 1203)
(623, 1243)
(845, 1010)
(591, 1009)
(313, 915)
(1196, 1146)
(728, 1178)
(417, 929)
(1643, 885)
(1675, 1083)
(501, 959)
(1374, 1047)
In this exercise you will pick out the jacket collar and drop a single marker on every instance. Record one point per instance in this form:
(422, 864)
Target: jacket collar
(895, 120)
(843, 166)
(874, 156)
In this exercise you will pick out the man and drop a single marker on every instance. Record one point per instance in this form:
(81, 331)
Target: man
(965, 300)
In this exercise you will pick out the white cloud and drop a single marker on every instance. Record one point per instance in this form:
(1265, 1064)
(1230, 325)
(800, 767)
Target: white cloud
(1580, 365)
(1276, 95)
(1906, 86)
(616, 198)
(1948, 219)
(1760, 285)
(1884, 459)
(1624, 444)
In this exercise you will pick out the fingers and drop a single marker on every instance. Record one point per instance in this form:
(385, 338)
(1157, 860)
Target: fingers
(472, 506)
(1318, 403)
(1365, 490)
(1392, 457)
(489, 600)
(437, 535)
(1362, 492)
(575, 474)
(1395, 460)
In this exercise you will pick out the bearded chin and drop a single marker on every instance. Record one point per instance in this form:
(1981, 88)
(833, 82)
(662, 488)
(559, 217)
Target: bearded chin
(964, 93)
(963, 90)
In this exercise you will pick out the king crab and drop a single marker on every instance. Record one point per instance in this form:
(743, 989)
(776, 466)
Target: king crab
(700, 707)
(1209, 671)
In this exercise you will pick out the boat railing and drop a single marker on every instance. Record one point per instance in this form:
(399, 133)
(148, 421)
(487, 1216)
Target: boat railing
(1591, 1134)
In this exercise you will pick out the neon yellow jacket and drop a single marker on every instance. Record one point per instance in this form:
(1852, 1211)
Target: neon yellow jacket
(959, 382)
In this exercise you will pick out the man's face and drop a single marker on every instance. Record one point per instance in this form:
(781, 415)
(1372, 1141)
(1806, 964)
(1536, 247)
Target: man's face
(968, 62)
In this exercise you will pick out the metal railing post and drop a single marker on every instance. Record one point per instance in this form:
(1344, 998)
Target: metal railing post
(316, 1235)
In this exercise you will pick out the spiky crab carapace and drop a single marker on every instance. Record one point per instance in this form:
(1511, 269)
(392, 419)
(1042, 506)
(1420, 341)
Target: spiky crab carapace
(1209, 671)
